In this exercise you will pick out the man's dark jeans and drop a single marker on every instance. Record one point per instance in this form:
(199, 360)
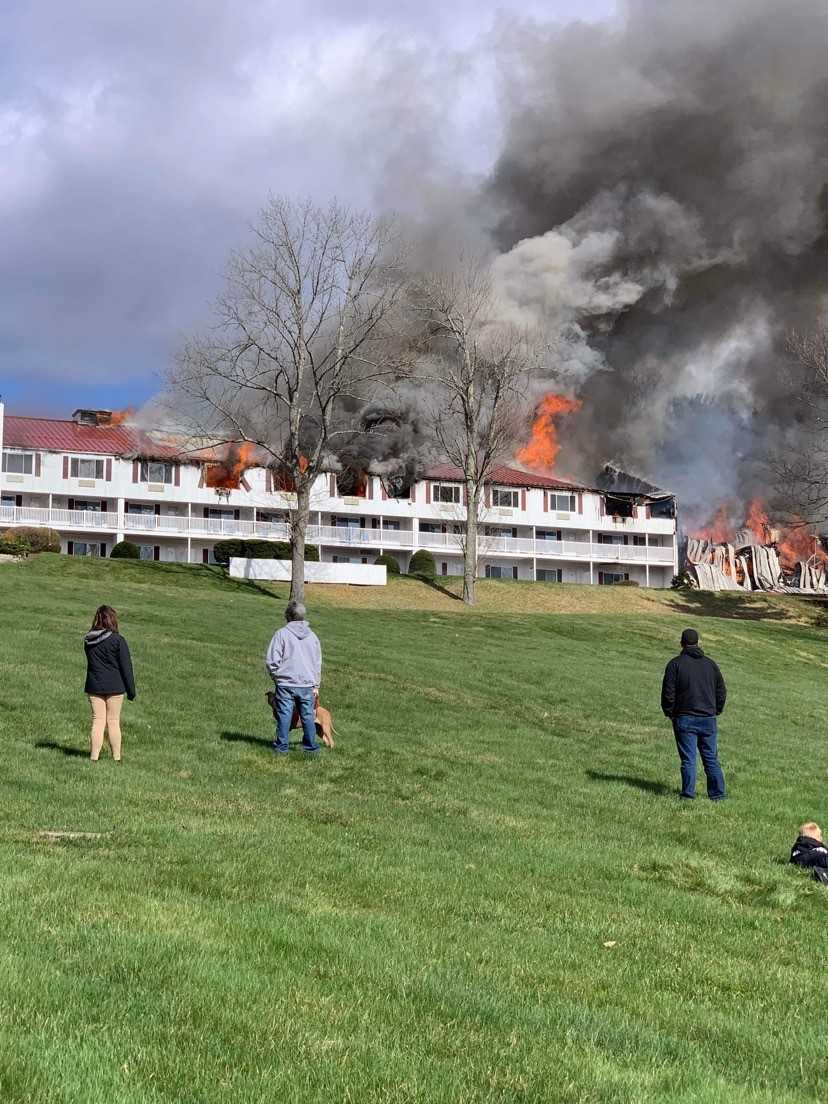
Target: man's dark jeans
(303, 698)
(698, 734)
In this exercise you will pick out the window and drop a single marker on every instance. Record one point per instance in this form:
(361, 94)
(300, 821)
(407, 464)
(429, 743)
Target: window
(566, 503)
(549, 575)
(444, 568)
(18, 463)
(141, 508)
(81, 548)
(446, 492)
(87, 505)
(549, 534)
(493, 571)
(607, 578)
(640, 542)
(154, 472)
(8, 500)
(610, 538)
(391, 526)
(86, 469)
(505, 498)
(431, 527)
(147, 551)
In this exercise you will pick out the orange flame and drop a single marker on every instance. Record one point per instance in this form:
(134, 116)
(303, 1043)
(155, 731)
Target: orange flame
(540, 452)
(303, 463)
(757, 521)
(227, 474)
(718, 529)
(799, 543)
(118, 417)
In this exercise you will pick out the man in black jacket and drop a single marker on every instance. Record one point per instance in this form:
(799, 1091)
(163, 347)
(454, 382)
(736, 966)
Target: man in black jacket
(693, 695)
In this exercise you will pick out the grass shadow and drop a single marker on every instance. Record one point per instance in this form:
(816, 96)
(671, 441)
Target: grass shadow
(735, 606)
(434, 585)
(644, 784)
(246, 738)
(64, 749)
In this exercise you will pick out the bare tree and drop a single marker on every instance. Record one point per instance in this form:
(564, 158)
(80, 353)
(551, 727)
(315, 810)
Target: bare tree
(478, 367)
(300, 337)
(801, 468)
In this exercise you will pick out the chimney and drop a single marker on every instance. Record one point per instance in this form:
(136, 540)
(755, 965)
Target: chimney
(92, 417)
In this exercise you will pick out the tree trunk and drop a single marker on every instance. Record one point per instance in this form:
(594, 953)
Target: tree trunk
(470, 550)
(299, 528)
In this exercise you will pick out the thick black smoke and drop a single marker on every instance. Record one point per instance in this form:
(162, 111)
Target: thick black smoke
(663, 190)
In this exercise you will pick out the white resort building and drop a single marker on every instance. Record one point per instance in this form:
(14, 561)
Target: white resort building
(97, 483)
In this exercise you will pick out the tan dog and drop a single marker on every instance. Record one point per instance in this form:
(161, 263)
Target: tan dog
(324, 720)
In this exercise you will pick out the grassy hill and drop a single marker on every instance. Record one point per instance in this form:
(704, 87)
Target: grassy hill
(488, 892)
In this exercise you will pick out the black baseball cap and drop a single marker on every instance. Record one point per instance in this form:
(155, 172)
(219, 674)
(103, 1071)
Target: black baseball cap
(689, 637)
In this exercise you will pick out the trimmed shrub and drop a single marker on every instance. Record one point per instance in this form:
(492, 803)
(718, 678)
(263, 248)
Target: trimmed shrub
(389, 563)
(38, 540)
(225, 550)
(628, 582)
(12, 545)
(125, 550)
(422, 564)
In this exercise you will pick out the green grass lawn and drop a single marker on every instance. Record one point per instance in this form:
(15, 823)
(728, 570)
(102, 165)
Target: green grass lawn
(488, 892)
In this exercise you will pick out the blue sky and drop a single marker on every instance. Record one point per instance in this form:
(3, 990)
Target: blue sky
(138, 141)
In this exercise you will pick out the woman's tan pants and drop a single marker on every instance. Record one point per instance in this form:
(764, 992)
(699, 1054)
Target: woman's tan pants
(106, 715)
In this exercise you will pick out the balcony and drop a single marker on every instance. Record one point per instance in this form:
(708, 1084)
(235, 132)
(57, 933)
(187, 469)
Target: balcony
(168, 525)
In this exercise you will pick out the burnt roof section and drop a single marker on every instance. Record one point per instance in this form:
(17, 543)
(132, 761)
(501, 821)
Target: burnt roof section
(615, 480)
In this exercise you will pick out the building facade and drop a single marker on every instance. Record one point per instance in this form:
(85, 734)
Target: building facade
(98, 483)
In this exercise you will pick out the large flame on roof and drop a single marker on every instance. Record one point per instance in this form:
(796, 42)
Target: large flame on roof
(542, 449)
(121, 417)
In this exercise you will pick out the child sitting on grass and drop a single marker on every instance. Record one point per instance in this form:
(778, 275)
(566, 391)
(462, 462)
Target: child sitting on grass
(810, 852)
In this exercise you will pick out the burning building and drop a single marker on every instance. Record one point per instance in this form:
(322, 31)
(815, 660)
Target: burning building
(757, 555)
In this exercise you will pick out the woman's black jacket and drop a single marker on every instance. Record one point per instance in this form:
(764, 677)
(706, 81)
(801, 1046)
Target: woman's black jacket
(108, 664)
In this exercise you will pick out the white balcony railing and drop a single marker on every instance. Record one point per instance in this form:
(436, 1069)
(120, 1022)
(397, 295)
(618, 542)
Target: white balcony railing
(343, 535)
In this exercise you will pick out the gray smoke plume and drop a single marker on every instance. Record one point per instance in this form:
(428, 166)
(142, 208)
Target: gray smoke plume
(663, 192)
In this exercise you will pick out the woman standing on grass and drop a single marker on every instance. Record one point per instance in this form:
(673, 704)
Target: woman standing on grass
(108, 677)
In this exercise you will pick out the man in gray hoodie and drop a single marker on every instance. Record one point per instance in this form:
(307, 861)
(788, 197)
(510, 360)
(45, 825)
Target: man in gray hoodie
(294, 662)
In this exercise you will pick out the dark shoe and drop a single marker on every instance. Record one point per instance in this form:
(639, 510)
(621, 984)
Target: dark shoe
(279, 751)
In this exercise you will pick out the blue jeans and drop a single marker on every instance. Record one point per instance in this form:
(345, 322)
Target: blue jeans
(302, 698)
(698, 734)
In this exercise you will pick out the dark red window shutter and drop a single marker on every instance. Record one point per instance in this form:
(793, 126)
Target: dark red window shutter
(66, 467)
(104, 505)
(332, 485)
(545, 501)
(580, 503)
(465, 496)
(177, 474)
(108, 470)
(136, 471)
(268, 480)
(523, 500)
(37, 464)
(487, 496)
(384, 493)
(428, 493)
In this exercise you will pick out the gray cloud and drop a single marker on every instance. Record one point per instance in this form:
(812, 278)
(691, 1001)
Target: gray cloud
(138, 141)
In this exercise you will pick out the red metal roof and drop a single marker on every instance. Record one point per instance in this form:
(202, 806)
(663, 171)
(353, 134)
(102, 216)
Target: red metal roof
(504, 476)
(62, 435)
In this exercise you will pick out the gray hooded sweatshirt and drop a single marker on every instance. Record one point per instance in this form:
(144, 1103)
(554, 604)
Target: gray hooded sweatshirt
(294, 657)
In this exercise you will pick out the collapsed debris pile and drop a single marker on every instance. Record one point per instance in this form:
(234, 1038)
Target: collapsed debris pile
(757, 558)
